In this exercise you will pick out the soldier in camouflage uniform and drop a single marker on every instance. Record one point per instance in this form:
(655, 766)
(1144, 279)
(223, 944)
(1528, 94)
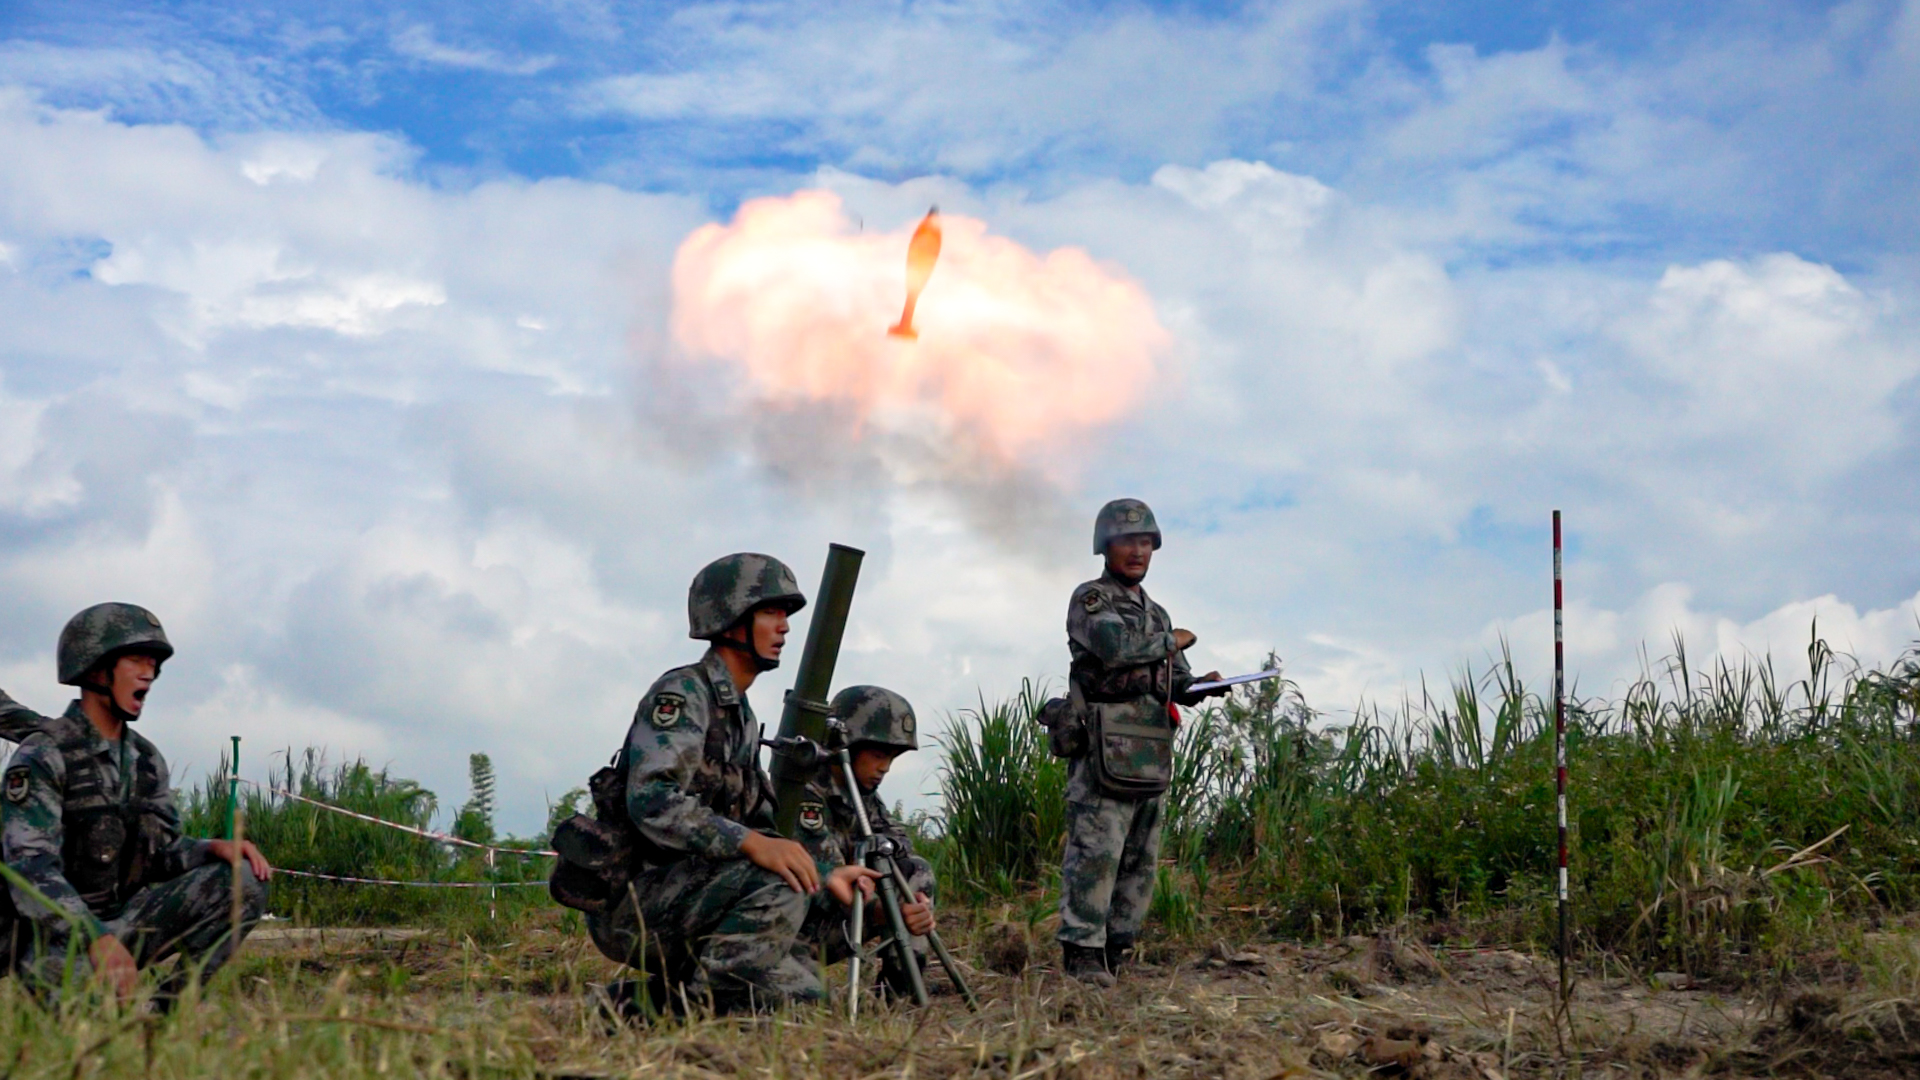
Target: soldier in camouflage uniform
(88, 821)
(716, 900)
(1129, 670)
(880, 727)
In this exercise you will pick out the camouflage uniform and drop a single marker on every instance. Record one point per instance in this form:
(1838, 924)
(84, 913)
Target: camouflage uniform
(829, 829)
(1126, 666)
(697, 913)
(92, 824)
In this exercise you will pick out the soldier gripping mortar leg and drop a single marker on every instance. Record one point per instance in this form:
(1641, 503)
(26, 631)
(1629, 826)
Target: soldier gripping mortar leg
(870, 727)
(89, 827)
(680, 873)
(1129, 671)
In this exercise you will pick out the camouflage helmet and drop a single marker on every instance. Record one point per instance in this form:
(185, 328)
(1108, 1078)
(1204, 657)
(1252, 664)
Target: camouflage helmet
(1123, 517)
(732, 587)
(103, 630)
(874, 714)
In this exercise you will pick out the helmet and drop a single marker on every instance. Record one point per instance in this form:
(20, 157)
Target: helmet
(874, 714)
(1123, 517)
(105, 629)
(732, 587)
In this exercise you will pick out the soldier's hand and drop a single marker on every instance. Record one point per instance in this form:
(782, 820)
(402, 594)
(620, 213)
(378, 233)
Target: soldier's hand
(1218, 691)
(849, 879)
(1184, 639)
(114, 965)
(918, 915)
(792, 862)
(223, 850)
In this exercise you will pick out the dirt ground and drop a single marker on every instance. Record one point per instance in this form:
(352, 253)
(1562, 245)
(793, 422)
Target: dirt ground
(1234, 1010)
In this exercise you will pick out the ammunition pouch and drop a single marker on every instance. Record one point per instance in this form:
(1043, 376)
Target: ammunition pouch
(1130, 759)
(1066, 724)
(596, 854)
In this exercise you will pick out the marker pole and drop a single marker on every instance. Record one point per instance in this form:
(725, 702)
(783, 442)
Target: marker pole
(233, 792)
(1560, 750)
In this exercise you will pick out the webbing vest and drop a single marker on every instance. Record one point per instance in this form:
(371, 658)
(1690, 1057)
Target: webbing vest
(109, 842)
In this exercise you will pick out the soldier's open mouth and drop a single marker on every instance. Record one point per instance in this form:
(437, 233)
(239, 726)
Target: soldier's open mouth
(139, 695)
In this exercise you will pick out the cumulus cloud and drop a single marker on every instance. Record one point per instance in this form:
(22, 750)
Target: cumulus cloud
(393, 456)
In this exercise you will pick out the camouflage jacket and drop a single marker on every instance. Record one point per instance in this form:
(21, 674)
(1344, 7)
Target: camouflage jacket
(17, 721)
(828, 829)
(694, 784)
(1122, 646)
(828, 826)
(88, 821)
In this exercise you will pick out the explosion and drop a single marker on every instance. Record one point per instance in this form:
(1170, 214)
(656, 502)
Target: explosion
(1019, 356)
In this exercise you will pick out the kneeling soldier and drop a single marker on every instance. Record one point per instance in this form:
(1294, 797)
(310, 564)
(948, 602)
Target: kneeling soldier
(880, 727)
(88, 822)
(713, 901)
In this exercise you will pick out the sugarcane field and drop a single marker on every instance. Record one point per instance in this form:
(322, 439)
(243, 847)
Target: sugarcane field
(894, 539)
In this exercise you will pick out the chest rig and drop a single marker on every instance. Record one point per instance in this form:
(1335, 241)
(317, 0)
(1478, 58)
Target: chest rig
(112, 833)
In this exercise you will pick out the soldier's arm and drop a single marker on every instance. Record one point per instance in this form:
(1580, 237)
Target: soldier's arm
(176, 853)
(1096, 627)
(31, 835)
(17, 721)
(665, 748)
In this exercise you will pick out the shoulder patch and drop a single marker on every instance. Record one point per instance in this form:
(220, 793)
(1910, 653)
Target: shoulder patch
(813, 817)
(17, 783)
(1092, 600)
(668, 709)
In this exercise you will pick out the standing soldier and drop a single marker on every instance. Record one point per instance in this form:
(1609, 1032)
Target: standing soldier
(1129, 671)
(715, 899)
(880, 727)
(88, 822)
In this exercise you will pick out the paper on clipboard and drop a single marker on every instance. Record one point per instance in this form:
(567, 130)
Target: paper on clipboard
(1234, 680)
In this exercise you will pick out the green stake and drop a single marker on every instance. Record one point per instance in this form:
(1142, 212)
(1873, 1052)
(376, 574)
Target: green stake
(233, 789)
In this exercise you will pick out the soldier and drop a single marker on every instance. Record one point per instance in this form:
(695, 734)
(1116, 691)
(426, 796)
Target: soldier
(88, 821)
(716, 899)
(880, 727)
(1128, 673)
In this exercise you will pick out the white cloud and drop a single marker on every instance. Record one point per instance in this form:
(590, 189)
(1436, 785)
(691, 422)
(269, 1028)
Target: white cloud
(390, 459)
(417, 41)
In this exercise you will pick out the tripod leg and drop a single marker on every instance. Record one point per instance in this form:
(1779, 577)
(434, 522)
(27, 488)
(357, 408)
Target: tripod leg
(939, 947)
(903, 939)
(856, 929)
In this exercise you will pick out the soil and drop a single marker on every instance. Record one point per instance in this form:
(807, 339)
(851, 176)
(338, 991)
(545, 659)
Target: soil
(1380, 1007)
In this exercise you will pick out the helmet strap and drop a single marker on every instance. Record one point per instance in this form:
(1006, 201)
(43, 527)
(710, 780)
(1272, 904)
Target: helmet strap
(760, 663)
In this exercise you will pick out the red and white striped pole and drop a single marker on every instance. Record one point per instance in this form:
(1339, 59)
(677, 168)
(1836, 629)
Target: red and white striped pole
(1560, 749)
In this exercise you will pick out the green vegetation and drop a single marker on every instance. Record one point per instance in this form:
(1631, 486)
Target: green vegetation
(1720, 817)
(304, 837)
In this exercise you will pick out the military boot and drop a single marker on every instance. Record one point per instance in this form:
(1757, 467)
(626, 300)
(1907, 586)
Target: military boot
(1085, 964)
(1119, 951)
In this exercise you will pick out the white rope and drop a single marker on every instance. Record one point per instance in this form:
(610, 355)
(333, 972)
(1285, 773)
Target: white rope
(415, 830)
(410, 884)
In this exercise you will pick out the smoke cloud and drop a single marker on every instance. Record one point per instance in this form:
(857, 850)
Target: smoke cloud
(1022, 357)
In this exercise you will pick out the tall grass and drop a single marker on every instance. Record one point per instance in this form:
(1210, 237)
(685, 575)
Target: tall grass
(1719, 813)
(299, 836)
(1004, 816)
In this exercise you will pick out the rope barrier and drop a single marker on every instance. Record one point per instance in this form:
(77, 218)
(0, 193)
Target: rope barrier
(415, 830)
(410, 884)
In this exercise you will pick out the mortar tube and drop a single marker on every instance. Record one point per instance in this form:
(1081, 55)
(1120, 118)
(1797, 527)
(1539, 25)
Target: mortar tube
(805, 712)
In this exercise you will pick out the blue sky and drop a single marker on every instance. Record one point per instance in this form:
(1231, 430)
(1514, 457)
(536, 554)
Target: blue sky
(335, 332)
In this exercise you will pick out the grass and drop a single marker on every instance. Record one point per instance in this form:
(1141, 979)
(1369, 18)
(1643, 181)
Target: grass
(1722, 819)
(305, 837)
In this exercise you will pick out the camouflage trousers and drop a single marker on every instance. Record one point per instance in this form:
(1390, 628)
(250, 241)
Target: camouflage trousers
(1107, 870)
(824, 937)
(718, 930)
(190, 916)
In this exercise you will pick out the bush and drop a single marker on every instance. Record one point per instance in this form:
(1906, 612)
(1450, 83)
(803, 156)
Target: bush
(1004, 816)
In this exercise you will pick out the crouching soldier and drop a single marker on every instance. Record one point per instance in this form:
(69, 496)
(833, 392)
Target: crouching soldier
(90, 831)
(880, 727)
(709, 901)
(1129, 670)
